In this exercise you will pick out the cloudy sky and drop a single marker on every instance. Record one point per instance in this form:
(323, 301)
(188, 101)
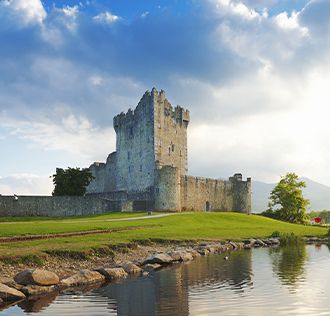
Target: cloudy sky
(255, 75)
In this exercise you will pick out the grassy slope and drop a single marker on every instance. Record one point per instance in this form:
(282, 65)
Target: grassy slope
(200, 226)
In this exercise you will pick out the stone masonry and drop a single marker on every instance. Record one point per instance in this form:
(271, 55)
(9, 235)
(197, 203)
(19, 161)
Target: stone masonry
(148, 170)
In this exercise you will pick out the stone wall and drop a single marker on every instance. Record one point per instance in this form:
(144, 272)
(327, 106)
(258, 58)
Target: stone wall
(202, 194)
(54, 206)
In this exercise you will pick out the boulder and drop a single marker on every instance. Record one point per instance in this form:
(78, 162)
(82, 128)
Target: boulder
(274, 241)
(83, 277)
(32, 290)
(131, 268)
(160, 258)
(1, 301)
(9, 294)
(11, 283)
(175, 255)
(194, 253)
(186, 256)
(112, 273)
(259, 243)
(36, 277)
(203, 251)
(233, 245)
(152, 267)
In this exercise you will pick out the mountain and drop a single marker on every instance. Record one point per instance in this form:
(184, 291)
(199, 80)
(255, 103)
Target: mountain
(317, 193)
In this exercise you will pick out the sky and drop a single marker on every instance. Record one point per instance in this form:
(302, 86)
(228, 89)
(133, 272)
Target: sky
(254, 74)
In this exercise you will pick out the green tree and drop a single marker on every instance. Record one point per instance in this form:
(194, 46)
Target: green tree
(286, 201)
(71, 181)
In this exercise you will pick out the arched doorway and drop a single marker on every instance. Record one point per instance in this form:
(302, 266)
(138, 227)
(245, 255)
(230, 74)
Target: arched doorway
(207, 206)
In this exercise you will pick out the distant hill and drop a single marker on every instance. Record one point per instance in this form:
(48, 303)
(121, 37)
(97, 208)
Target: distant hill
(317, 193)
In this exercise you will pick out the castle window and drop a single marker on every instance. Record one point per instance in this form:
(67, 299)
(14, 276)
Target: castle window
(173, 146)
(128, 155)
(169, 151)
(157, 190)
(180, 153)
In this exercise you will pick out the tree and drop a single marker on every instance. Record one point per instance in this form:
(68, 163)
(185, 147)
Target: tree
(286, 201)
(71, 181)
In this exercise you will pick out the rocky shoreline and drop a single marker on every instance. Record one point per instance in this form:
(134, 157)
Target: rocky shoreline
(34, 283)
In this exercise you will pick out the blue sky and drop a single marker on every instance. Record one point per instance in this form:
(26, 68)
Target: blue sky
(253, 73)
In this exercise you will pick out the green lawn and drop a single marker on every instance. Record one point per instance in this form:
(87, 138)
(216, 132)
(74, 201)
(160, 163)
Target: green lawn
(198, 226)
(112, 215)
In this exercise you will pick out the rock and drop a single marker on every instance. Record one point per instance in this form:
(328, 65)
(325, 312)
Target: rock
(233, 245)
(247, 246)
(152, 267)
(83, 277)
(130, 268)
(175, 255)
(259, 243)
(203, 251)
(160, 258)
(11, 283)
(32, 290)
(145, 273)
(9, 294)
(1, 301)
(274, 241)
(112, 273)
(194, 253)
(36, 277)
(186, 256)
(212, 248)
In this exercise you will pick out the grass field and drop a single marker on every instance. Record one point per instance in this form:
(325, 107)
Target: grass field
(198, 226)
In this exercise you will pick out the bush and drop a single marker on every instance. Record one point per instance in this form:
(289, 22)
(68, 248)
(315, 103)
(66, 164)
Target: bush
(275, 234)
(290, 239)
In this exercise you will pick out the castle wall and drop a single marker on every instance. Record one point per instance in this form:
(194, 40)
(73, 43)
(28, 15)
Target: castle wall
(204, 194)
(135, 147)
(110, 183)
(97, 184)
(54, 206)
(170, 126)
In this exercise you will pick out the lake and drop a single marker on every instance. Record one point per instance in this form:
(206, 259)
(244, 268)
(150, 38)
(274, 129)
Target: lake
(265, 281)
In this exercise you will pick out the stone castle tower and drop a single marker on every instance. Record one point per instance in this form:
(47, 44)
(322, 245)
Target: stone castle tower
(149, 168)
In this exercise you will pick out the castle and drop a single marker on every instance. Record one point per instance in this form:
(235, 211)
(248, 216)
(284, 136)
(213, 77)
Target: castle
(148, 170)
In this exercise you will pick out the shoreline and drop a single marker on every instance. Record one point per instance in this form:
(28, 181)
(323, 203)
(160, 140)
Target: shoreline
(138, 260)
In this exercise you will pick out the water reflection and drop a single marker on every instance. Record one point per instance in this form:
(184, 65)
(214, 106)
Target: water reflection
(288, 263)
(249, 283)
(167, 292)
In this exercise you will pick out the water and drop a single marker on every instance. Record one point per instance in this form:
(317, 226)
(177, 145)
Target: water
(283, 281)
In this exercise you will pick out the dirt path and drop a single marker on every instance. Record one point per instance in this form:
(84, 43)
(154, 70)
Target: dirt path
(70, 234)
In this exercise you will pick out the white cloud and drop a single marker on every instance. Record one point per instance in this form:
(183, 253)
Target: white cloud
(26, 184)
(106, 17)
(235, 7)
(290, 22)
(71, 11)
(31, 11)
(144, 14)
(73, 134)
